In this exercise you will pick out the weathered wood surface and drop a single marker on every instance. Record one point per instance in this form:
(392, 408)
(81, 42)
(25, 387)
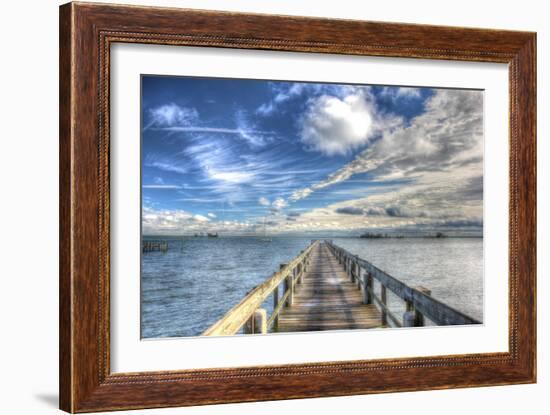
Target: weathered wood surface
(327, 299)
(236, 318)
(418, 300)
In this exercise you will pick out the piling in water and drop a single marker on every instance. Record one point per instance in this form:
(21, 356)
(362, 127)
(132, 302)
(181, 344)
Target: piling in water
(154, 246)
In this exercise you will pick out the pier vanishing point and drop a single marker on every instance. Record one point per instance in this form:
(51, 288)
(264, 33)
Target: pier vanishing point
(327, 288)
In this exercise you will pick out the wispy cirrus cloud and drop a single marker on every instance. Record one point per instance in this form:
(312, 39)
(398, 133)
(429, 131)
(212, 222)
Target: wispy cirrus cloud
(167, 165)
(161, 186)
(174, 118)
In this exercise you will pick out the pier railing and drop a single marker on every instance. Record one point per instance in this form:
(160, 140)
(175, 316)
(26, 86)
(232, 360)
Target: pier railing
(419, 303)
(249, 315)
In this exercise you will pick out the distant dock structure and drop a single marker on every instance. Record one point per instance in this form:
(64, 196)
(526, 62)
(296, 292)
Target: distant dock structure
(326, 287)
(154, 246)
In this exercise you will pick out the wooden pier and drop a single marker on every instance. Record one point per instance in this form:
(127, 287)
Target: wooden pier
(327, 288)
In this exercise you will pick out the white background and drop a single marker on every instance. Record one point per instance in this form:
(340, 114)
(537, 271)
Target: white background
(28, 208)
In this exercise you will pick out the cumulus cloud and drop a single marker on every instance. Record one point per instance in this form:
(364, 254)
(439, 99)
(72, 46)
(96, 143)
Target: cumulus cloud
(275, 206)
(449, 134)
(432, 167)
(435, 200)
(211, 215)
(283, 92)
(337, 126)
(181, 222)
(201, 218)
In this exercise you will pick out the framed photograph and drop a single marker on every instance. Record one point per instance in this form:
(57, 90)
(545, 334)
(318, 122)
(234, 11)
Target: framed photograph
(258, 207)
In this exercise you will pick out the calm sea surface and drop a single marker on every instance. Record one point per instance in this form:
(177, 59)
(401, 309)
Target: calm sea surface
(190, 287)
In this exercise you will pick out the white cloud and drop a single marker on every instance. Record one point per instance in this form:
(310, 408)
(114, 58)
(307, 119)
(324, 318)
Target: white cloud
(166, 165)
(177, 119)
(279, 203)
(339, 124)
(263, 201)
(201, 218)
(170, 115)
(300, 194)
(230, 176)
(180, 222)
(401, 92)
(335, 126)
(282, 92)
(267, 108)
(449, 134)
(211, 215)
(249, 132)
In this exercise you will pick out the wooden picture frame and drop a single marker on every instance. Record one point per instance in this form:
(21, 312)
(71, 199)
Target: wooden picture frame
(86, 33)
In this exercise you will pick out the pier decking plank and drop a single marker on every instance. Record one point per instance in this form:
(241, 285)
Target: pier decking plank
(327, 299)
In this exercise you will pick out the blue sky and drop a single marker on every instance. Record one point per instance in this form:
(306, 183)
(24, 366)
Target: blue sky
(227, 155)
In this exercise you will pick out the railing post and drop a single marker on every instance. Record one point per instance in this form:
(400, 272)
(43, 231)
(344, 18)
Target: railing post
(288, 286)
(275, 304)
(383, 299)
(367, 288)
(291, 289)
(358, 276)
(408, 318)
(257, 323)
(413, 317)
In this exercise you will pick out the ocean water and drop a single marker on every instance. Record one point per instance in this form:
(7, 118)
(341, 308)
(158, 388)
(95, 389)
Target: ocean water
(188, 288)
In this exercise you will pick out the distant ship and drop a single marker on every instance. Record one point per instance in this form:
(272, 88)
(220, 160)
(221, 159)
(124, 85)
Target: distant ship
(212, 235)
